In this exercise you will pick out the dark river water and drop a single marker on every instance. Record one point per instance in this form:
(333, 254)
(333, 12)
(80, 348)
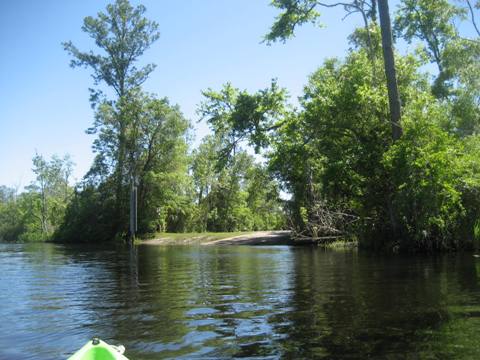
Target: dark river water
(232, 302)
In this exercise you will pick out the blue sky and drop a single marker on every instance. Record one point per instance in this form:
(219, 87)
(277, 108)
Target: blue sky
(44, 103)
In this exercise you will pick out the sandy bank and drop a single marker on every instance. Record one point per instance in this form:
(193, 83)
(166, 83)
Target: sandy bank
(249, 238)
(256, 238)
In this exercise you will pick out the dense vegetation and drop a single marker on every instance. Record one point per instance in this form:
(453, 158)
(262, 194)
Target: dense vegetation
(34, 214)
(377, 150)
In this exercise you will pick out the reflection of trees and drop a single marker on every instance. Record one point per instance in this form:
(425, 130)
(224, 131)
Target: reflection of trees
(197, 301)
(346, 304)
(244, 301)
(178, 301)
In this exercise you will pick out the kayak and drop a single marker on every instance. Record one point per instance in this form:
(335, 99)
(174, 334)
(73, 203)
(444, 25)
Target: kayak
(97, 349)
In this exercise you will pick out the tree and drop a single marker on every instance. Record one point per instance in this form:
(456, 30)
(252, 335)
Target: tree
(156, 156)
(204, 170)
(235, 195)
(432, 22)
(298, 12)
(122, 34)
(437, 24)
(237, 116)
(47, 197)
(11, 217)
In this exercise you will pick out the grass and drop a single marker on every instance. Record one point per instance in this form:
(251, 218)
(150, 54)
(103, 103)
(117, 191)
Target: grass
(190, 238)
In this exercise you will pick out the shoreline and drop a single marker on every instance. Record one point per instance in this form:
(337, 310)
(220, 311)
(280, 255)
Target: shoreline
(276, 237)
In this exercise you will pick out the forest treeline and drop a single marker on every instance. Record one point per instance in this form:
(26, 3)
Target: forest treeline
(377, 149)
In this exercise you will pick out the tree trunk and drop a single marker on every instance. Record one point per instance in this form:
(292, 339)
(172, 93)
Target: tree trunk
(390, 71)
(120, 207)
(393, 100)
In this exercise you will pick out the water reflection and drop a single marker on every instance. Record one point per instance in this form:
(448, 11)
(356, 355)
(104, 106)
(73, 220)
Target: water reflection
(217, 301)
(223, 302)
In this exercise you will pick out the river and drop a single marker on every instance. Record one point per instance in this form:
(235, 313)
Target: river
(220, 302)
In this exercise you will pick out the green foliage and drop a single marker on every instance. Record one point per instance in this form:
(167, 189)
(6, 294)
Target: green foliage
(237, 116)
(234, 193)
(421, 178)
(140, 139)
(123, 35)
(36, 214)
(338, 149)
(461, 59)
(11, 217)
(435, 24)
(89, 216)
(427, 193)
(295, 13)
(236, 196)
(143, 140)
(156, 155)
(430, 21)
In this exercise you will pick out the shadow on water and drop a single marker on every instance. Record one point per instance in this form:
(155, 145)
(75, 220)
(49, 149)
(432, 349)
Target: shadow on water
(223, 302)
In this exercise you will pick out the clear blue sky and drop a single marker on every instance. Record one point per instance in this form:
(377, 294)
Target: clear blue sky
(44, 103)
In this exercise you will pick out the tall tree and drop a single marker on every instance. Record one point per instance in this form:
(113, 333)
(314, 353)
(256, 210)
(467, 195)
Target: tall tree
(122, 35)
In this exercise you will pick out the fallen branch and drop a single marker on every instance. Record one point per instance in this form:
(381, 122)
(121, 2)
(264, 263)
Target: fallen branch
(325, 223)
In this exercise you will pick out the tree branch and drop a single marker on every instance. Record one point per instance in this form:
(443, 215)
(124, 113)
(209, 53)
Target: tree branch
(473, 17)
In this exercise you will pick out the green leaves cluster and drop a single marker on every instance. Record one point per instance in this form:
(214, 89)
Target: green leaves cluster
(36, 213)
(155, 158)
(295, 13)
(122, 34)
(235, 196)
(236, 116)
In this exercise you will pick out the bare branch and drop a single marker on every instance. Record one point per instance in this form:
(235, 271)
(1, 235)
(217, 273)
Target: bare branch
(345, 5)
(326, 222)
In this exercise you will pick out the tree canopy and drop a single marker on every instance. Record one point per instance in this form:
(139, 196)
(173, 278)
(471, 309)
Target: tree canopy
(377, 149)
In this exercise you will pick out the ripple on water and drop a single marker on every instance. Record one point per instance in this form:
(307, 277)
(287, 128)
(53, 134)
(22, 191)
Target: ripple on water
(224, 302)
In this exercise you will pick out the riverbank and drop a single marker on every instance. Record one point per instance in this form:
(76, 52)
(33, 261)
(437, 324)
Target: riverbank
(225, 238)
(277, 237)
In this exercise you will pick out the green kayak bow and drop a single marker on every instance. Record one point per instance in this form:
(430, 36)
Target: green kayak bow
(97, 349)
